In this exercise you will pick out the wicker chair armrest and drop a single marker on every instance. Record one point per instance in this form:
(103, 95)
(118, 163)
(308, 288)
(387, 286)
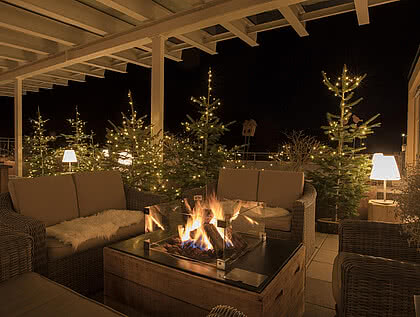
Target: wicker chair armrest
(303, 212)
(137, 199)
(308, 198)
(15, 253)
(375, 286)
(20, 223)
(376, 239)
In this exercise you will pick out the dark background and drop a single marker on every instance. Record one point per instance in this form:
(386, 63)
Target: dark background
(278, 83)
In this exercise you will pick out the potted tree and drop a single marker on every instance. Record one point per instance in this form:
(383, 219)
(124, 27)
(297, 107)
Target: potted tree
(342, 176)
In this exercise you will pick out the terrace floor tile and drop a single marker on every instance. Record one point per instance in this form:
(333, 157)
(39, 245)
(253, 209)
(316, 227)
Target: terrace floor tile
(325, 256)
(319, 293)
(312, 310)
(330, 243)
(320, 271)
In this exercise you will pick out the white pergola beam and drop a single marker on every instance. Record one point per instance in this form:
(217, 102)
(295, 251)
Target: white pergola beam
(217, 12)
(196, 39)
(49, 80)
(75, 13)
(34, 83)
(85, 70)
(130, 57)
(7, 64)
(173, 56)
(140, 10)
(291, 16)
(105, 63)
(187, 21)
(308, 16)
(158, 80)
(61, 74)
(362, 11)
(28, 43)
(148, 10)
(18, 127)
(17, 55)
(25, 87)
(9, 90)
(20, 20)
(239, 28)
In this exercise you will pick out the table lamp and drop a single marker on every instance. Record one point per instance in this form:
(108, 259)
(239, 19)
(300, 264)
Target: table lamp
(69, 157)
(384, 168)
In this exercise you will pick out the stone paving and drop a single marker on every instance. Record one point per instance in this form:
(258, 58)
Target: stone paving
(319, 301)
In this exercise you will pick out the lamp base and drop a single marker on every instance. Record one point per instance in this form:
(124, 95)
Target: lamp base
(383, 202)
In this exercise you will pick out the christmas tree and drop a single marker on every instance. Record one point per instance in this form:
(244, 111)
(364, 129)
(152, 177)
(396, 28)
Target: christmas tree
(40, 155)
(133, 151)
(206, 154)
(183, 166)
(87, 152)
(342, 177)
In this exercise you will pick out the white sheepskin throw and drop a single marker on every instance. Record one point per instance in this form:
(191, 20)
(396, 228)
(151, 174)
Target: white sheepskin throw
(102, 225)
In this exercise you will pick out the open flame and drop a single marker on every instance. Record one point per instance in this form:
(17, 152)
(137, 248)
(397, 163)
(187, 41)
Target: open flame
(153, 219)
(195, 232)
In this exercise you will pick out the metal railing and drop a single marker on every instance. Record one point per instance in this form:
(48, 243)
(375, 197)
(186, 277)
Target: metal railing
(7, 147)
(254, 156)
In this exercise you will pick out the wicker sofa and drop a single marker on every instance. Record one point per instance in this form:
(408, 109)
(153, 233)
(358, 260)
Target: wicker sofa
(376, 272)
(24, 293)
(32, 204)
(275, 188)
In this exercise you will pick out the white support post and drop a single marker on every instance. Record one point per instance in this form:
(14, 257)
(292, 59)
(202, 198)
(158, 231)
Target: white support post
(18, 127)
(157, 107)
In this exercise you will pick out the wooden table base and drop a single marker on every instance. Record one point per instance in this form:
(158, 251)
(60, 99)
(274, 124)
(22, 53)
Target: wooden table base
(139, 287)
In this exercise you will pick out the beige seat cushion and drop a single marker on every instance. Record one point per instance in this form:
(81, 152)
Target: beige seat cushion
(50, 199)
(58, 250)
(98, 191)
(280, 188)
(32, 295)
(238, 184)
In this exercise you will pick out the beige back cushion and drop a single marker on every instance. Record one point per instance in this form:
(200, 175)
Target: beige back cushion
(50, 199)
(280, 188)
(98, 191)
(238, 184)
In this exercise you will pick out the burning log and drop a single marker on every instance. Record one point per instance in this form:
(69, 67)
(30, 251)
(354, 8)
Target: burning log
(214, 237)
(208, 215)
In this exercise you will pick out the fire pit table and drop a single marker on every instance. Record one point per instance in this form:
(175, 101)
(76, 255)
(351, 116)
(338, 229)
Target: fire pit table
(144, 276)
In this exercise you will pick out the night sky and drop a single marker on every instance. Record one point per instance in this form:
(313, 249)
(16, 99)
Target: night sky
(278, 83)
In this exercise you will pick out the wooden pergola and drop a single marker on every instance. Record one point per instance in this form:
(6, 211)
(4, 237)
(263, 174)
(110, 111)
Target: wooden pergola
(50, 42)
(413, 115)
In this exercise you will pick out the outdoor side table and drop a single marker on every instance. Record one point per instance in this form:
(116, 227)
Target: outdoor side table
(382, 212)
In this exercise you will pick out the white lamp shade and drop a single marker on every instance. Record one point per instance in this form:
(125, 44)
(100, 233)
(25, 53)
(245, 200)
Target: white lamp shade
(385, 168)
(69, 156)
(376, 156)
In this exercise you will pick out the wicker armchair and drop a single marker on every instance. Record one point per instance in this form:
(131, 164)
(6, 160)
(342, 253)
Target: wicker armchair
(379, 271)
(225, 311)
(15, 253)
(83, 271)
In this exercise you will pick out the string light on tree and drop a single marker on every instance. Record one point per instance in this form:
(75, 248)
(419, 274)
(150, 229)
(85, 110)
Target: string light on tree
(40, 155)
(88, 154)
(134, 152)
(199, 150)
(342, 177)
